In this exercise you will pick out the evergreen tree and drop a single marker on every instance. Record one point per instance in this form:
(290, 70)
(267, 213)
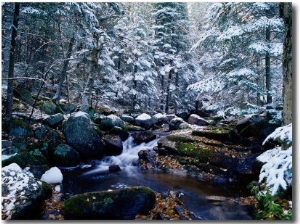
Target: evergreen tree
(170, 46)
(241, 33)
(134, 61)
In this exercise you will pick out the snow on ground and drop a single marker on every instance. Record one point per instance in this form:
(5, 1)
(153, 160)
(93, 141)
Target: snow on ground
(52, 176)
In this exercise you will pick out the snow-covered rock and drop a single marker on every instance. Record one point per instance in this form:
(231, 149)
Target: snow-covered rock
(196, 119)
(52, 176)
(22, 194)
(144, 120)
(160, 119)
(111, 121)
(175, 123)
(127, 118)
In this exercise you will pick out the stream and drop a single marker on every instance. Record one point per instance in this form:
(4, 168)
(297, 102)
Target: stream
(206, 200)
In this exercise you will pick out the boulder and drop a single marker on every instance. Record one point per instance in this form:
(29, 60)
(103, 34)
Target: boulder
(166, 147)
(184, 115)
(127, 118)
(53, 120)
(120, 204)
(114, 168)
(175, 123)
(160, 119)
(147, 159)
(256, 126)
(65, 155)
(49, 107)
(26, 158)
(220, 134)
(54, 137)
(113, 145)
(22, 194)
(67, 108)
(18, 127)
(81, 135)
(197, 120)
(143, 136)
(111, 121)
(144, 120)
(39, 131)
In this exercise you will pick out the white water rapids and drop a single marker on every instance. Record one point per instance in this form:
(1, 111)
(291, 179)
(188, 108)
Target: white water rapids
(127, 160)
(197, 195)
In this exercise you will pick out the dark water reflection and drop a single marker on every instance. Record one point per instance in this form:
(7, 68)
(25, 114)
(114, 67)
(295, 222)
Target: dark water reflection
(206, 200)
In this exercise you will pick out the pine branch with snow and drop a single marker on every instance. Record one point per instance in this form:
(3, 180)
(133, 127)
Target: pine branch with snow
(277, 170)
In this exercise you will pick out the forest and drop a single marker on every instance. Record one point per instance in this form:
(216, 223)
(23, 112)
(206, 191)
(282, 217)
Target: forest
(95, 91)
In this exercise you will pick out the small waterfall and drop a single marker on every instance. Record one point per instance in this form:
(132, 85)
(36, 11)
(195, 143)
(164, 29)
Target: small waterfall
(128, 160)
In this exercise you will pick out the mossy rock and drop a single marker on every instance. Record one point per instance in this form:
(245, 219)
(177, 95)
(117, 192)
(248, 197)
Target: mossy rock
(130, 127)
(68, 108)
(180, 138)
(121, 204)
(24, 95)
(18, 127)
(49, 107)
(195, 150)
(220, 134)
(65, 155)
(24, 159)
(82, 136)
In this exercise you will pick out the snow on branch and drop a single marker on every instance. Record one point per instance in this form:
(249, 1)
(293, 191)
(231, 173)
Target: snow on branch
(231, 32)
(262, 47)
(209, 33)
(241, 73)
(282, 135)
(211, 84)
(277, 170)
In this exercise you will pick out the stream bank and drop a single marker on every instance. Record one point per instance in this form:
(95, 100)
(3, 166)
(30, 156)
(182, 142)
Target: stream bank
(205, 151)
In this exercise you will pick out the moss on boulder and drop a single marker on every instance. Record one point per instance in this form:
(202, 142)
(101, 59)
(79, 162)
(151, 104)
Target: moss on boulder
(65, 155)
(121, 204)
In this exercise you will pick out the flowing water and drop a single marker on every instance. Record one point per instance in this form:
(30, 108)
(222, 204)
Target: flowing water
(207, 200)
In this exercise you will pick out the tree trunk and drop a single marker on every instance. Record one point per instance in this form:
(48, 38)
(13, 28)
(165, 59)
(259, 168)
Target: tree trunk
(286, 14)
(162, 93)
(12, 62)
(92, 69)
(86, 95)
(64, 70)
(258, 82)
(168, 92)
(268, 72)
(176, 88)
(133, 100)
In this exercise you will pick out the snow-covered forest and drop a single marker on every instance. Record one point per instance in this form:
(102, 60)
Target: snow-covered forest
(149, 57)
(219, 63)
